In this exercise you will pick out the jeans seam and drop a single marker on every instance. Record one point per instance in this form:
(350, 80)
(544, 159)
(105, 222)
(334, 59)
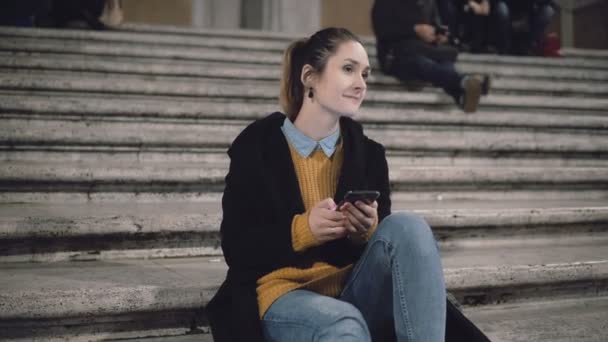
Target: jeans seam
(402, 300)
(358, 270)
(395, 274)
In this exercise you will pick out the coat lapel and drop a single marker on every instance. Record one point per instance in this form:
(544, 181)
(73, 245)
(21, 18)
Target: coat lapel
(282, 174)
(352, 174)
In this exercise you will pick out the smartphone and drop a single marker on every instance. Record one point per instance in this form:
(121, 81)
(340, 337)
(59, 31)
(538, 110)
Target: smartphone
(367, 196)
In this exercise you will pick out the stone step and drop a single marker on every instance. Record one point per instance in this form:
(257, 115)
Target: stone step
(88, 154)
(585, 53)
(186, 177)
(223, 69)
(43, 232)
(256, 56)
(485, 64)
(36, 79)
(268, 93)
(41, 105)
(196, 336)
(581, 320)
(566, 320)
(192, 136)
(171, 292)
(94, 195)
(219, 41)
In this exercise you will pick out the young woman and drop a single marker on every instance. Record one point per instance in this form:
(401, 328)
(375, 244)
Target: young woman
(303, 267)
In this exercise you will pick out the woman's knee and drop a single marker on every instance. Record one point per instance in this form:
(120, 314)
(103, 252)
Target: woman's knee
(409, 230)
(346, 324)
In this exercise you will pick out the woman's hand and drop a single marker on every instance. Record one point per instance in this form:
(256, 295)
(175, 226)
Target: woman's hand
(359, 217)
(326, 223)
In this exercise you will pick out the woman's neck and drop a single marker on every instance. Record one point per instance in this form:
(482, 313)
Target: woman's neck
(316, 124)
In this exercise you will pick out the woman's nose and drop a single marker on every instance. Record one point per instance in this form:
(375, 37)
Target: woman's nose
(360, 83)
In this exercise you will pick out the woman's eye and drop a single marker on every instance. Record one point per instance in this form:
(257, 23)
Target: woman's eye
(365, 75)
(348, 68)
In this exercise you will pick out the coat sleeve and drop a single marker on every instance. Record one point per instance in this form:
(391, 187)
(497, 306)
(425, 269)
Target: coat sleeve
(252, 237)
(394, 20)
(381, 179)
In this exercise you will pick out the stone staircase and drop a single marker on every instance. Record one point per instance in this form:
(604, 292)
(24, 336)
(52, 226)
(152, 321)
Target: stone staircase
(113, 159)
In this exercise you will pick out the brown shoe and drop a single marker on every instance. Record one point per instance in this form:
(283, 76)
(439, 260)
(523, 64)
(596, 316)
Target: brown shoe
(471, 94)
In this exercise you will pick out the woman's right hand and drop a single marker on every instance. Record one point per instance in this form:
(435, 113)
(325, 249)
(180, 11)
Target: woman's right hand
(326, 223)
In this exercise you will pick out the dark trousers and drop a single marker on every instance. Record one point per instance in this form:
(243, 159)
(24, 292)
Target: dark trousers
(420, 68)
(538, 16)
(449, 14)
(477, 31)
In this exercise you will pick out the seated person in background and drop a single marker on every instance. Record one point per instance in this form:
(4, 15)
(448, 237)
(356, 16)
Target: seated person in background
(22, 13)
(530, 17)
(450, 16)
(476, 22)
(411, 46)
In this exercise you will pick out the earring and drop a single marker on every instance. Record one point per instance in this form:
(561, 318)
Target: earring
(310, 94)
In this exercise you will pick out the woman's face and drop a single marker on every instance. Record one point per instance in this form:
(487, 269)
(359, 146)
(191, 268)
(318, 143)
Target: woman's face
(341, 87)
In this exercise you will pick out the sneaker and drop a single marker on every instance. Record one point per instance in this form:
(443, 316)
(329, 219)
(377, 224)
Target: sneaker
(471, 94)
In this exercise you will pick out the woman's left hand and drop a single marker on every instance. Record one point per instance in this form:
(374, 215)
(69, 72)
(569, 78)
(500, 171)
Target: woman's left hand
(360, 217)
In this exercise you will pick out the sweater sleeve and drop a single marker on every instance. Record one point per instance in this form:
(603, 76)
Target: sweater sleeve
(301, 236)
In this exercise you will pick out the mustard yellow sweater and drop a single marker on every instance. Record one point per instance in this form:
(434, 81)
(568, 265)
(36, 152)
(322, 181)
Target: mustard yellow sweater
(318, 177)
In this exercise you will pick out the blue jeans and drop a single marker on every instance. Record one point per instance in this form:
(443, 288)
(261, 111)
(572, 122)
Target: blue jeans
(418, 67)
(395, 292)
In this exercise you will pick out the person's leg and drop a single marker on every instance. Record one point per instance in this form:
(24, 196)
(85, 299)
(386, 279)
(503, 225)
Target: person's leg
(478, 32)
(417, 67)
(307, 316)
(539, 20)
(464, 90)
(399, 277)
(501, 17)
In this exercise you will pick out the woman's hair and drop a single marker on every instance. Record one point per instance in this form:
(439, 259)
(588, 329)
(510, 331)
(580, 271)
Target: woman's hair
(315, 51)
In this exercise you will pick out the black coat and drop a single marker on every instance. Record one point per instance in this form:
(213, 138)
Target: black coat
(393, 22)
(261, 197)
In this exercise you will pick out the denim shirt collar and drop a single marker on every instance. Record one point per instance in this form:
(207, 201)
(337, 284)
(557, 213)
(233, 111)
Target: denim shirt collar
(304, 145)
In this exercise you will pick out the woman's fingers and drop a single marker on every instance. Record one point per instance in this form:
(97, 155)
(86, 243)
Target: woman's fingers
(361, 210)
(356, 217)
(350, 227)
(369, 210)
(350, 219)
(334, 232)
(332, 215)
(362, 215)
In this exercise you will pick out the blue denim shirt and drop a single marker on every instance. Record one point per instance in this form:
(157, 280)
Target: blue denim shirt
(304, 145)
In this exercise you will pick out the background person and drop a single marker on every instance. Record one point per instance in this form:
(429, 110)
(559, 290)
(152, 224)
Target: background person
(411, 48)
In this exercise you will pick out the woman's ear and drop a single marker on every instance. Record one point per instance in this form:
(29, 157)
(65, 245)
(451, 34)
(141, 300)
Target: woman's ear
(308, 76)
